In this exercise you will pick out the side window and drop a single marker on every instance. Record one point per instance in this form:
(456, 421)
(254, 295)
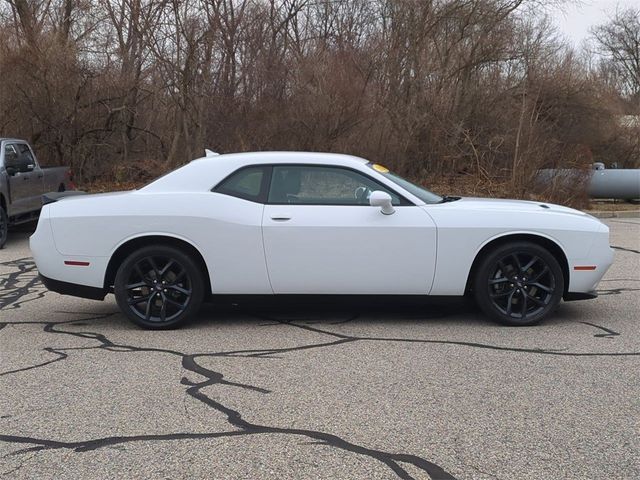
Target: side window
(10, 155)
(24, 154)
(247, 183)
(318, 185)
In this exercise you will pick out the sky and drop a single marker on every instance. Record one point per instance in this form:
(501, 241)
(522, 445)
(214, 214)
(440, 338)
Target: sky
(574, 20)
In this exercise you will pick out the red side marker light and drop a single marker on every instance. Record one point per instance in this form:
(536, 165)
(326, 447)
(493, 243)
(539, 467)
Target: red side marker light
(585, 267)
(75, 263)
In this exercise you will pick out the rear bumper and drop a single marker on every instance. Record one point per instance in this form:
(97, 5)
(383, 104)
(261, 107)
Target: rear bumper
(73, 289)
(78, 270)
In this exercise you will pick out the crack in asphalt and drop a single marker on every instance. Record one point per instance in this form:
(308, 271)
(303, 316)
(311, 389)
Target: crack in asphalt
(97, 443)
(624, 249)
(269, 353)
(20, 465)
(608, 332)
(234, 418)
(352, 338)
(621, 280)
(637, 224)
(61, 356)
(616, 291)
(11, 294)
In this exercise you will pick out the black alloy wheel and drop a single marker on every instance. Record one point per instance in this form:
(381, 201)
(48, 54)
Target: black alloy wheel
(519, 284)
(4, 227)
(159, 287)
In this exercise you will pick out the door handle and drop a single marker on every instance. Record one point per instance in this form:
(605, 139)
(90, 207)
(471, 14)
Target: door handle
(280, 218)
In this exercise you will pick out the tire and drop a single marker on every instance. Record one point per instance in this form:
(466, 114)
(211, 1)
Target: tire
(4, 227)
(518, 284)
(159, 306)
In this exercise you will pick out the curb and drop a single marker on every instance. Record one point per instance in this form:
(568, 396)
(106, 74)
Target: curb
(614, 214)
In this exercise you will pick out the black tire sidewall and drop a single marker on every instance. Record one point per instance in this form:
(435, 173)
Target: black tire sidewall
(193, 271)
(486, 267)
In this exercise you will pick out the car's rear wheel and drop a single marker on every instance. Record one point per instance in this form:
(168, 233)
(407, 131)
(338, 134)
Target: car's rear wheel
(518, 284)
(159, 287)
(4, 227)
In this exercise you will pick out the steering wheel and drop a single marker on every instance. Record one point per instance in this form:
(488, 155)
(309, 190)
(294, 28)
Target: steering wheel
(362, 194)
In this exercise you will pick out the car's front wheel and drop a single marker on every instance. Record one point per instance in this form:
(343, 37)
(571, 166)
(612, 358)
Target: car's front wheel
(518, 284)
(159, 287)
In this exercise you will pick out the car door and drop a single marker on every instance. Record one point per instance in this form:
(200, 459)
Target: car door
(30, 168)
(20, 178)
(232, 239)
(321, 236)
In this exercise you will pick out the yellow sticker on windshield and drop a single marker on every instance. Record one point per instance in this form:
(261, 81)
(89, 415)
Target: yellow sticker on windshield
(380, 168)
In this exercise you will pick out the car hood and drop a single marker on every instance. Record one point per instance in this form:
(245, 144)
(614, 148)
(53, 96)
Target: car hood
(524, 206)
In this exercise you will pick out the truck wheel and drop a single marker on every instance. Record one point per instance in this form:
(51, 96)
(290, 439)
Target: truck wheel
(159, 287)
(4, 227)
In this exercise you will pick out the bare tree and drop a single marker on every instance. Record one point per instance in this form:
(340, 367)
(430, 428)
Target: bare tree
(619, 43)
(467, 89)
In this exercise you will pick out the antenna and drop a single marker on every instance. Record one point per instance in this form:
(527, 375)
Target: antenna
(210, 153)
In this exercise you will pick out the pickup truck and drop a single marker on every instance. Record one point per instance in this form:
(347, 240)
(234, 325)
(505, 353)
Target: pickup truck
(22, 183)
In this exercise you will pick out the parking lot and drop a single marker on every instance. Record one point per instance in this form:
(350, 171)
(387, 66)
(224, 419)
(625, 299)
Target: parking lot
(435, 392)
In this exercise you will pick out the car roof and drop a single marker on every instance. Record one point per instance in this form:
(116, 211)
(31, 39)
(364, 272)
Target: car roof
(284, 157)
(8, 139)
(203, 173)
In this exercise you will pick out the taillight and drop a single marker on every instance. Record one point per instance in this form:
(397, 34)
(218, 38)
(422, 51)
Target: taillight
(72, 186)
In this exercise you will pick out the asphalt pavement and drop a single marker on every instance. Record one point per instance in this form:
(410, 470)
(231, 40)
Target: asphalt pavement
(434, 392)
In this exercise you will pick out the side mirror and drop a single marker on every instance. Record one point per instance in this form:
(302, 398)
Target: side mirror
(383, 200)
(11, 170)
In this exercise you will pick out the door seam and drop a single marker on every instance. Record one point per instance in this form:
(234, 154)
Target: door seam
(264, 249)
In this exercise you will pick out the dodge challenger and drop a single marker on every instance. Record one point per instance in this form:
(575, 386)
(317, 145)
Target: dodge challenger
(295, 223)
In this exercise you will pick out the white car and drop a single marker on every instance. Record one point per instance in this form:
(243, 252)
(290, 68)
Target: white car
(295, 223)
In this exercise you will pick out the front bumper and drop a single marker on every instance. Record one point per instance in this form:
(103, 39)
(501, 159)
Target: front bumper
(572, 296)
(600, 256)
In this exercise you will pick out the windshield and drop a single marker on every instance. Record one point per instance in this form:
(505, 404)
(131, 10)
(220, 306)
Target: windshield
(422, 193)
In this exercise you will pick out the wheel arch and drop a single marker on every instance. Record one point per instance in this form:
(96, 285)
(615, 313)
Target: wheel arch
(547, 243)
(133, 244)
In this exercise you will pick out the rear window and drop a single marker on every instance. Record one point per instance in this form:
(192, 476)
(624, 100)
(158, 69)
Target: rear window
(247, 183)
